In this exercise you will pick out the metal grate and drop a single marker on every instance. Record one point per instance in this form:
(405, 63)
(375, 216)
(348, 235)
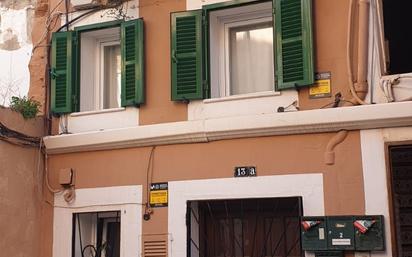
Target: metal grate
(265, 227)
(154, 246)
(401, 171)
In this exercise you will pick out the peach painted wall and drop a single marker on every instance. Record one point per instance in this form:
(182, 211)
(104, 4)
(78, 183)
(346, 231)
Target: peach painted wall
(343, 182)
(21, 191)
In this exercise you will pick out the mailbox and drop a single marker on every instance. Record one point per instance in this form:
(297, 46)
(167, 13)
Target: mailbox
(313, 231)
(369, 233)
(329, 254)
(341, 233)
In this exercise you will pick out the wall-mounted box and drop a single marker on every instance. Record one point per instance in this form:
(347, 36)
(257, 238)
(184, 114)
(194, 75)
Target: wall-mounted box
(313, 237)
(329, 254)
(341, 233)
(369, 233)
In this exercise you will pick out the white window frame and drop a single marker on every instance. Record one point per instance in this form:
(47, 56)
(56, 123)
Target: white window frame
(98, 64)
(308, 186)
(126, 199)
(221, 21)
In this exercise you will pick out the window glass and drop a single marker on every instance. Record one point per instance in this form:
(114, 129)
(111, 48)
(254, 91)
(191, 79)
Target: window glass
(251, 58)
(112, 76)
(96, 234)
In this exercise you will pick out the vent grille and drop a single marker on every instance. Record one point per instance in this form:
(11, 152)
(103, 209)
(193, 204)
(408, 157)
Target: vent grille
(155, 248)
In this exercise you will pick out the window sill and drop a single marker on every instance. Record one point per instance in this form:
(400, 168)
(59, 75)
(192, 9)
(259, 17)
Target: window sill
(77, 114)
(243, 96)
(99, 120)
(265, 102)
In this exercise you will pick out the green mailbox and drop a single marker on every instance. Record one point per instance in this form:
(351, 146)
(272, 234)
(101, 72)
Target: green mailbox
(369, 233)
(341, 233)
(313, 231)
(329, 254)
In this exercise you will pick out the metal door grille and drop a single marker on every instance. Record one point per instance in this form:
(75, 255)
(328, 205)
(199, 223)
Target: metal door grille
(265, 227)
(401, 179)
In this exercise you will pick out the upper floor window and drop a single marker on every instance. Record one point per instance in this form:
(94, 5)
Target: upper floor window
(100, 69)
(241, 47)
(237, 47)
(396, 15)
(98, 66)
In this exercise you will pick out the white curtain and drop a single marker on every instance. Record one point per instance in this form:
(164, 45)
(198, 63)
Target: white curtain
(251, 59)
(112, 77)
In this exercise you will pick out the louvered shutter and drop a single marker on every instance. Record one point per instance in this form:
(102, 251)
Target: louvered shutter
(61, 74)
(294, 50)
(132, 51)
(186, 55)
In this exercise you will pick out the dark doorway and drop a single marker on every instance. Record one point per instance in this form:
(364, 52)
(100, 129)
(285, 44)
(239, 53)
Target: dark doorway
(264, 227)
(401, 184)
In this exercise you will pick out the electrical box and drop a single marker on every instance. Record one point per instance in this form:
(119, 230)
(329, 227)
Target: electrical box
(313, 233)
(329, 254)
(369, 233)
(341, 233)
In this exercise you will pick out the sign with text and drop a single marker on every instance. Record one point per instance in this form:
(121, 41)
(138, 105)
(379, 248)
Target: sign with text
(245, 172)
(322, 86)
(159, 194)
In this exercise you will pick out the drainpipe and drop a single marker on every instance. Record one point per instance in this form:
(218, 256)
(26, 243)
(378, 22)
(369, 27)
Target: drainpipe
(329, 156)
(359, 89)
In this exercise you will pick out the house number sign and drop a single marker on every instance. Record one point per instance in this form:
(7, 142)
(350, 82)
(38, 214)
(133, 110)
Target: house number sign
(245, 172)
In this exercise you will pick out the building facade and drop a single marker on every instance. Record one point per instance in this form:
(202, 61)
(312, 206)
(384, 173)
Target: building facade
(211, 127)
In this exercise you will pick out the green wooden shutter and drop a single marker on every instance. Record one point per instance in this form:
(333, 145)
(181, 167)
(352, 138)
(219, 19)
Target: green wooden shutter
(186, 55)
(294, 50)
(62, 76)
(132, 51)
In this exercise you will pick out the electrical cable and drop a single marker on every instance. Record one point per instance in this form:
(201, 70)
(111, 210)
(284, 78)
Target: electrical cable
(149, 168)
(46, 178)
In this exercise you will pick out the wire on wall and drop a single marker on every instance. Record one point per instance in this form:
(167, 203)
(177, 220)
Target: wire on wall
(16, 138)
(149, 177)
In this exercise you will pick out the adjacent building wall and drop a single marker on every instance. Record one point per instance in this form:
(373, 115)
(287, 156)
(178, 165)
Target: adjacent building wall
(15, 48)
(21, 190)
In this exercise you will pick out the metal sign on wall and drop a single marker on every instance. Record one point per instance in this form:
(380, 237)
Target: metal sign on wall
(322, 86)
(158, 194)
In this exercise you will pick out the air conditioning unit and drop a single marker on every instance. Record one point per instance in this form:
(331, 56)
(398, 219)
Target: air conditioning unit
(86, 4)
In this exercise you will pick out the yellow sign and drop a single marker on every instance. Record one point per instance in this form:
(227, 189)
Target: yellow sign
(322, 87)
(158, 197)
(158, 194)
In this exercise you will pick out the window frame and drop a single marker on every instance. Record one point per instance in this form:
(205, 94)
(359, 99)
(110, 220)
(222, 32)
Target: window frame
(294, 60)
(219, 77)
(99, 58)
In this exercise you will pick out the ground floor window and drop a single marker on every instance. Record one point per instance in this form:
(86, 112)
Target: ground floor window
(401, 184)
(96, 234)
(261, 227)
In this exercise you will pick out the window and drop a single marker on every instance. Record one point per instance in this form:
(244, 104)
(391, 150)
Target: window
(244, 227)
(396, 15)
(98, 67)
(241, 43)
(237, 47)
(96, 234)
